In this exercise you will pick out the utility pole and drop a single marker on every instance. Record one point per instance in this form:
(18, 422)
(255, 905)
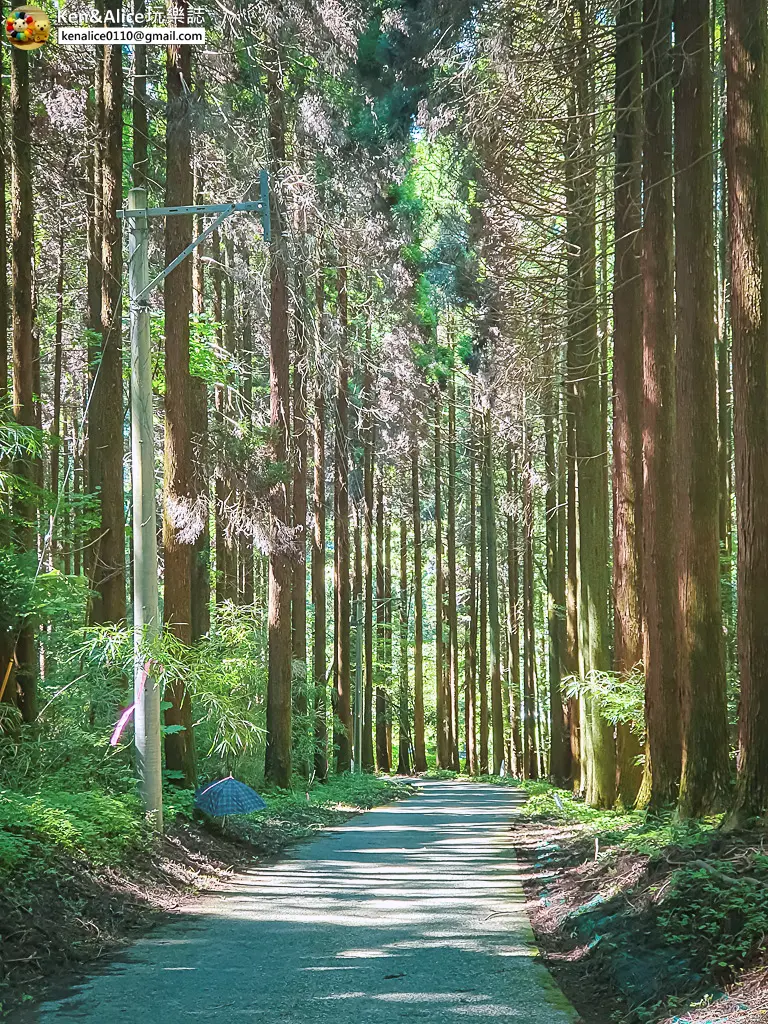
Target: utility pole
(146, 598)
(146, 601)
(358, 685)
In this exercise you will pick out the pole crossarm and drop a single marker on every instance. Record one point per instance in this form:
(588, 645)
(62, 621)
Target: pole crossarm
(226, 211)
(169, 211)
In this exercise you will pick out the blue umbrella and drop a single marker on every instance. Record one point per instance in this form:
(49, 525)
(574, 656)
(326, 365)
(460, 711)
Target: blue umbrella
(228, 796)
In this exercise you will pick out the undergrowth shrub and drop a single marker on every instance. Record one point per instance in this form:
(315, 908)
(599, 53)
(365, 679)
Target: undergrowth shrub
(721, 920)
(93, 826)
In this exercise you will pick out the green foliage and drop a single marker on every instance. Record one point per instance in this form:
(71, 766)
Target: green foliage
(620, 696)
(719, 918)
(91, 825)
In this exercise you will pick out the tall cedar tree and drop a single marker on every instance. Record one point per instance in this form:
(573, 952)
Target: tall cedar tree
(660, 523)
(343, 736)
(22, 248)
(105, 417)
(513, 595)
(452, 609)
(277, 758)
(318, 544)
(494, 628)
(442, 703)
(419, 751)
(705, 770)
(470, 645)
(300, 449)
(558, 741)
(177, 475)
(530, 755)
(368, 515)
(382, 748)
(598, 752)
(627, 376)
(200, 581)
(403, 743)
(747, 160)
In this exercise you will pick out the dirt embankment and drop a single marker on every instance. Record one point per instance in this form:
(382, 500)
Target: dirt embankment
(675, 936)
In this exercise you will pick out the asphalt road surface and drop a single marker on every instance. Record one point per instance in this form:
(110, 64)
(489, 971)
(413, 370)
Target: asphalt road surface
(410, 912)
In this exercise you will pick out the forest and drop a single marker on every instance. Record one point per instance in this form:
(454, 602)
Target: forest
(459, 445)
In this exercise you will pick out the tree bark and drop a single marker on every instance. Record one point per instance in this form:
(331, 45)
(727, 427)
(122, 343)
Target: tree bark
(105, 433)
(747, 161)
(382, 748)
(494, 629)
(200, 582)
(453, 614)
(627, 377)
(659, 519)
(470, 649)
(300, 448)
(368, 513)
(318, 546)
(530, 755)
(277, 760)
(483, 640)
(419, 750)
(705, 775)
(343, 738)
(513, 592)
(403, 745)
(56, 431)
(558, 740)
(22, 249)
(177, 475)
(442, 697)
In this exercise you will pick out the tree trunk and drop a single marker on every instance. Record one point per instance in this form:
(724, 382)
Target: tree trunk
(22, 249)
(598, 752)
(177, 475)
(489, 504)
(627, 378)
(382, 749)
(299, 594)
(747, 160)
(419, 750)
(530, 756)
(483, 671)
(453, 613)
(368, 513)
(558, 750)
(343, 739)
(277, 759)
(514, 619)
(200, 583)
(318, 547)
(139, 109)
(442, 698)
(403, 746)
(56, 431)
(705, 769)
(470, 650)
(105, 423)
(659, 520)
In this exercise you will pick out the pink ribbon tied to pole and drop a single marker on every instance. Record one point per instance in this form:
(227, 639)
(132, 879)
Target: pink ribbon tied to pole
(124, 718)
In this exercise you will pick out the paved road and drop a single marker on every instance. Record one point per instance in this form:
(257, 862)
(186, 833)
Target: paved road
(411, 912)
